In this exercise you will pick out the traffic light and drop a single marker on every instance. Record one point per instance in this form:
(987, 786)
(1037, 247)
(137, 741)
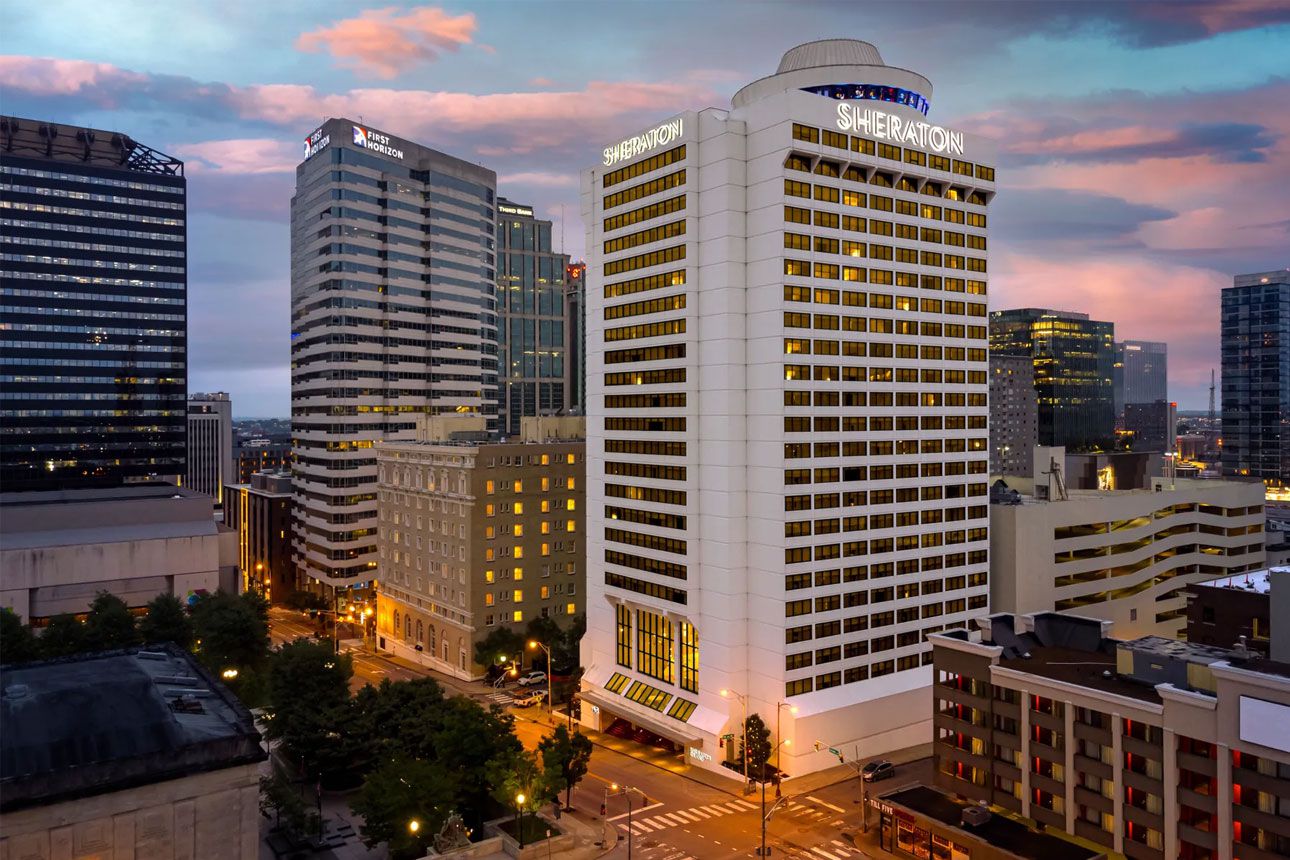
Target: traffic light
(604, 810)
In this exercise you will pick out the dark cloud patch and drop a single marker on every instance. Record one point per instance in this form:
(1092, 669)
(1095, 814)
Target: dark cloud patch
(1054, 215)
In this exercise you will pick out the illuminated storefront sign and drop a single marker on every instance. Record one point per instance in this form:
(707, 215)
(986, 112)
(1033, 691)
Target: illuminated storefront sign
(315, 142)
(522, 211)
(642, 143)
(876, 123)
(699, 755)
(376, 142)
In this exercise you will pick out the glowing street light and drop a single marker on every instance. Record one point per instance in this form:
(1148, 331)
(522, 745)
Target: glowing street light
(414, 826)
(229, 674)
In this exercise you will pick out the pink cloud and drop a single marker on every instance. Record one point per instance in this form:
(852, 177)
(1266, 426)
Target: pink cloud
(383, 43)
(52, 77)
(544, 178)
(240, 156)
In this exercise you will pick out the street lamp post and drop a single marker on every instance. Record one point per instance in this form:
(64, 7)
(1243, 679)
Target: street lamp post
(550, 704)
(779, 710)
(743, 728)
(626, 791)
(519, 819)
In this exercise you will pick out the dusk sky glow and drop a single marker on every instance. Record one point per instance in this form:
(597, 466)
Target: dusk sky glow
(1145, 145)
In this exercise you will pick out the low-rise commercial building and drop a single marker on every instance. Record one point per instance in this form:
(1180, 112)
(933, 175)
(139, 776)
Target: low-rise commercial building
(476, 534)
(1152, 748)
(260, 512)
(58, 549)
(1124, 556)
(260, 455)
(1225, 611)
(137, 753)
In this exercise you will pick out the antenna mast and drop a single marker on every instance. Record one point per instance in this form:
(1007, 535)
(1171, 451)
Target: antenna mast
(1211, 398)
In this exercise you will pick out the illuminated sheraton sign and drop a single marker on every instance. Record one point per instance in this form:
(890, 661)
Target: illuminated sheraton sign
(642, 143)
(876, 123)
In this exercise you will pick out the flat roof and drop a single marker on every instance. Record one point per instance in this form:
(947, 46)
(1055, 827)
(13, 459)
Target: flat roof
(1083, 668)
(999, 831)
(1254, 581)
(95, 723)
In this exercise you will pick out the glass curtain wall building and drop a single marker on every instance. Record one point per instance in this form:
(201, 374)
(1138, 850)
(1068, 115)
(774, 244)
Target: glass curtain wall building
(1141, 373)
(394, 315)
(94, 277)
(787, 377)
(1256, 376)
(534, 328)
(1074, 359)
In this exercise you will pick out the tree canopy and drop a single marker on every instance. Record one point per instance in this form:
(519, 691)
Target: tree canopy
(167, 621)
(309, 691)
(565, 758)
(757, 745)
(231, 631)
(401, 791)
(109, 624)
(17, 643)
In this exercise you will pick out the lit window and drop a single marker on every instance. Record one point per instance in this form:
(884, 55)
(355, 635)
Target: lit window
(519, 529)
(488, 598)
(489, 576)
(519, 486)
(569, 525)
(518, 596)
(518, 615)
(546, 459)
(546, 506)
(519, 506)
(518, 573)
(545, 593)
(570, 609)
(519, 550)
(569, 459)
(488, 487)
(546, 484)
(570, 505)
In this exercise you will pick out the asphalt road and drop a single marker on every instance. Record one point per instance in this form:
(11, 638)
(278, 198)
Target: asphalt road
(672, 817)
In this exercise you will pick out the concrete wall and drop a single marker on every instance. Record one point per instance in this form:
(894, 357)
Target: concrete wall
(209, 816)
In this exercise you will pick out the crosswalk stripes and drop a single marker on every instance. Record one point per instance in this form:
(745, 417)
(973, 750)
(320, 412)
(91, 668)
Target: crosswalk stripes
(502, 699)
(693, 815)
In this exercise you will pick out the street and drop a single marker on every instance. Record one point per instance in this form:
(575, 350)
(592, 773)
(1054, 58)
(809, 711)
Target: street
(673, 816)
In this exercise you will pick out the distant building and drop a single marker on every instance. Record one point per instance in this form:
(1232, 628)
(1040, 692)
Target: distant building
(260, 512)
(477, 534)
(1112, 470)
(1153, 748)
(1073, 358)
(210, 444)
(1153, 425)
(1221, 611)
(1124, 556)
(96, 295)
(137, 753)
(1141, 373)
(575, 297)
(58, 549)
(1256, 376)
(261, 455)
(536, 326)
(1014, 415)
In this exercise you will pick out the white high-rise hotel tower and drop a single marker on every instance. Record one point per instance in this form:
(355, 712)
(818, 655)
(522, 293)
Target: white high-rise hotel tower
(787, 379)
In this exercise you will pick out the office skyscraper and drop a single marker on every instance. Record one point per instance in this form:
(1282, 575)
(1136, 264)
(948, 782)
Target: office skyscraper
(575, 297)
(1073, 358)
(393, 315)
(1256, 376)
(787, 418)
(94, 346)
(1141, 373)
(534, 328)
(210, 445)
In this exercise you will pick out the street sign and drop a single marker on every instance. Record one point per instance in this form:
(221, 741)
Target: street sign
(835, 751)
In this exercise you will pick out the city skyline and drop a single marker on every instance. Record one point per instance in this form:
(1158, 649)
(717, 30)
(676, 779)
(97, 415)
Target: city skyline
(1123, 167)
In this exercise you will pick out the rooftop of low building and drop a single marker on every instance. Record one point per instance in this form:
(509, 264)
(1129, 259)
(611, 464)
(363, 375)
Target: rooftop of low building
(94, 723)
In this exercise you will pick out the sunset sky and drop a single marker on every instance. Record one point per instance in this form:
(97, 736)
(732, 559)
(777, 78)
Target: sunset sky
(1146, 145)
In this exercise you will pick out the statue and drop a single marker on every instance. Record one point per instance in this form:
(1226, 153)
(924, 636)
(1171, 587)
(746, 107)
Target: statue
(453, 835)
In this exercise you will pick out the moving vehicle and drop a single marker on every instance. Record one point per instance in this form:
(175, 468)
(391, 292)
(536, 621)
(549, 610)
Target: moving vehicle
(876, 770)
(532, 678)
(528, 700)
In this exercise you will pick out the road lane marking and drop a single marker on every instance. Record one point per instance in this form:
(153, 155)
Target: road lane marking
(746, 805)
(637, 811)
(839, 844)
(716, 811)
(825, 803)
(824, 853)
(698, 810)
(737, 807)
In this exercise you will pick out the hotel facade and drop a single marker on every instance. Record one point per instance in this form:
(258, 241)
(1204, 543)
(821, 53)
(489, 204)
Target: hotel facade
(787, 411)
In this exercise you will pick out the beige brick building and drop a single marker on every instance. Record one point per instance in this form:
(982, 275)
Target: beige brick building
(475, 534)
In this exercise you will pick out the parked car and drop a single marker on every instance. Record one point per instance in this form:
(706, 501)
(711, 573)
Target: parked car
(532, 678)
(528, 700)
(876, 770)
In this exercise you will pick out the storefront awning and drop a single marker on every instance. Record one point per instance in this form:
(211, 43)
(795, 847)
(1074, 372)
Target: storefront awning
(646, 718)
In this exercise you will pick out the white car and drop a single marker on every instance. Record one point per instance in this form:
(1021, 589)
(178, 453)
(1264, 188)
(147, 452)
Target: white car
(532, 678)
(529, 699)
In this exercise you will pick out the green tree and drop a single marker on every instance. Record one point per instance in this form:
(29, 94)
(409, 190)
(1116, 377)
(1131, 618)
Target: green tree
(757, 745)
(64, 636)
(17, 643)
(565, 758)
(500, 642)
(109, 624)
(399, 792)
(309, 691)
(517, 774)
(281, 798)
(230, 631)
(568, 656)
(167, 621)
